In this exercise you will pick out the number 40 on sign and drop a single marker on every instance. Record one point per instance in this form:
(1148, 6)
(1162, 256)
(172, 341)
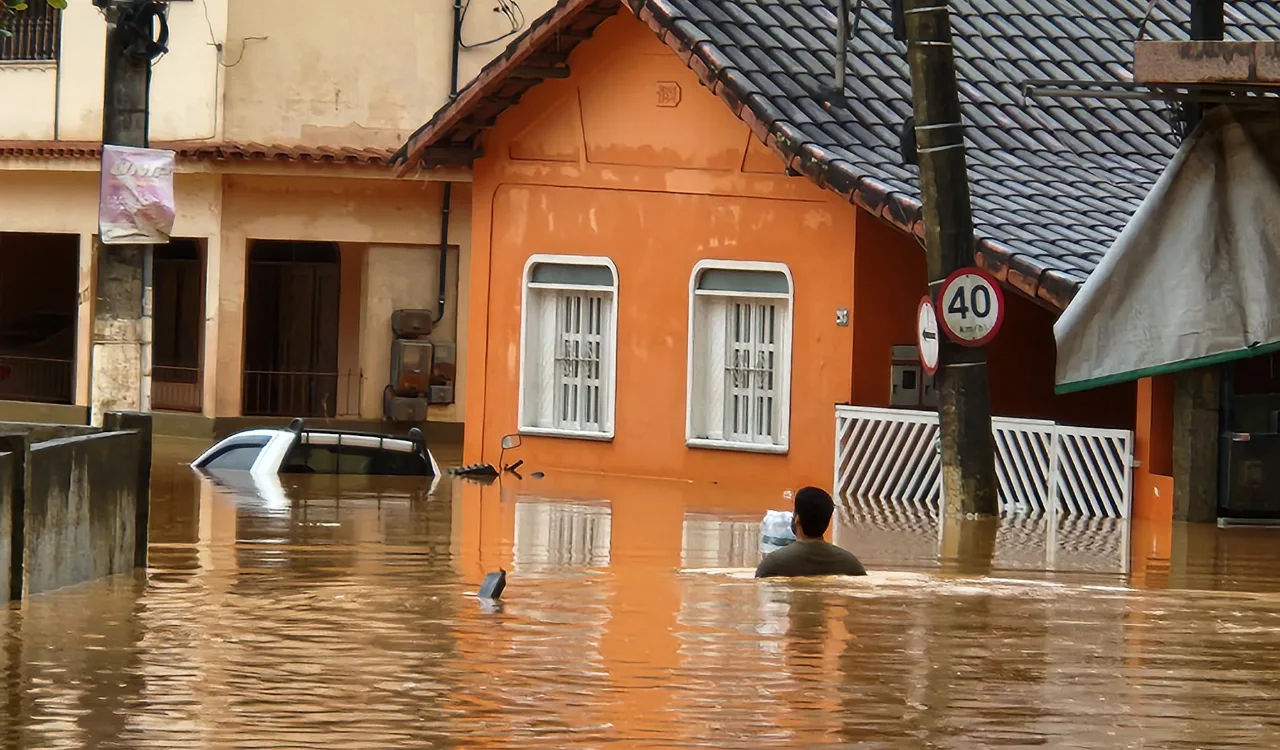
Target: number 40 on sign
(971, 307)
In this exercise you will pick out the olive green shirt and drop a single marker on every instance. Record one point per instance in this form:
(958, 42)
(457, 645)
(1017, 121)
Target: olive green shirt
(815, 558)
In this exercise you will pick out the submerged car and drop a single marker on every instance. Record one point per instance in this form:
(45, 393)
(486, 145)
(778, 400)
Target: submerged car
(298, 450)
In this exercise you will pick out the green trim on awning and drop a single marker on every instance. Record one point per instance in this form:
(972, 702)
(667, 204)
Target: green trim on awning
(1166, 369)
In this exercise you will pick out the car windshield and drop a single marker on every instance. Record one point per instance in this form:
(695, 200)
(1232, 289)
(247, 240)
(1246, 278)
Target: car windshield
(308, 458)
(236, 457)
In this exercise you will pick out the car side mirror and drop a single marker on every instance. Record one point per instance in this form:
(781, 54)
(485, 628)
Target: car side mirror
(510, 441)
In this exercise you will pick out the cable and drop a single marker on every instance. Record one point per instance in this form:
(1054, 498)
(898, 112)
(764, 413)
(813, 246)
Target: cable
(509, 8)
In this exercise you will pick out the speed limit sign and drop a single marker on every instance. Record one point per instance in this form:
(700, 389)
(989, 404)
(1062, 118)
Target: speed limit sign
(970, 307)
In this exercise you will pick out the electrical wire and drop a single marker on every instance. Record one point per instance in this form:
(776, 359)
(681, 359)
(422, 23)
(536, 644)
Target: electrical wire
(508, 8)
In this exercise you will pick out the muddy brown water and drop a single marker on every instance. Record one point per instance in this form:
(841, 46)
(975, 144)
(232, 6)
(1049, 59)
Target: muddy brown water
(337, 613)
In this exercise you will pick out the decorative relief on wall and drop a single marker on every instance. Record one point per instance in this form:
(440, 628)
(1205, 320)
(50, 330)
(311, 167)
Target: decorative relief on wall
(668, 94)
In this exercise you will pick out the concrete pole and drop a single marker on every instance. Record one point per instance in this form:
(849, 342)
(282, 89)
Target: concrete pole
(964, 398)
(120, 377)
(1198, 394)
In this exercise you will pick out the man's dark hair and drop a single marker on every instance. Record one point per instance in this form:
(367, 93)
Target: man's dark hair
(813, 511)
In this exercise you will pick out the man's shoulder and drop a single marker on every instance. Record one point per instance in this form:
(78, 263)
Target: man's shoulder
(770, 563)
(846, 558)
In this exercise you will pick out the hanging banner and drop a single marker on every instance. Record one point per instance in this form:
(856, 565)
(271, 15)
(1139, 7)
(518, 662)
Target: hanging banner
(135, 205)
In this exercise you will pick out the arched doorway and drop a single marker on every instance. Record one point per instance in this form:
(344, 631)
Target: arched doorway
(291, 329)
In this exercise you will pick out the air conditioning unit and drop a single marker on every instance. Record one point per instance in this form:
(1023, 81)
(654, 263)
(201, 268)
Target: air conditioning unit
(411, 365)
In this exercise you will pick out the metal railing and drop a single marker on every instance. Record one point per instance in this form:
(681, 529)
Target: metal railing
(36, 34)
(886, 533)
(41, 379)
(270, 393)
(177, 388)
(891, 455)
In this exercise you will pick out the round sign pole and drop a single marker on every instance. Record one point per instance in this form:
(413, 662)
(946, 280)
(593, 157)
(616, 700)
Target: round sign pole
(970, 307)
(927, 335)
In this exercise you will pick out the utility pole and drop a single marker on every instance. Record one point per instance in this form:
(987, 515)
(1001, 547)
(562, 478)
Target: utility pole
(964, 397)
(120, 367)
(1201, 396)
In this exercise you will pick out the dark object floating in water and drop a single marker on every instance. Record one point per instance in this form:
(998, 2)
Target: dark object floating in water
(476, 470)
(537, 475)
(493, 585)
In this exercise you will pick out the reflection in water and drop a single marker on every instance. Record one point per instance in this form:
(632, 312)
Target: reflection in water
(335, 612)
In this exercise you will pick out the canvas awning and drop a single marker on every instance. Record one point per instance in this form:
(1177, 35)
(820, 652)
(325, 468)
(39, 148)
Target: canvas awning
(1194, 278)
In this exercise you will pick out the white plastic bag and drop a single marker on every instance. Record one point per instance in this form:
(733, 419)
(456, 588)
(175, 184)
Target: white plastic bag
(776, 531)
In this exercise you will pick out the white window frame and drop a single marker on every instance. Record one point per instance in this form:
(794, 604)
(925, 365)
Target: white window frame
(609, 362)
(784, 351)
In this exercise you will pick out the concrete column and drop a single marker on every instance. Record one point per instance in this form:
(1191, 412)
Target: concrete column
(224, 325)
(1195, 445)
(350, 303)
(118, 332)
(84, 319)
(209, 356)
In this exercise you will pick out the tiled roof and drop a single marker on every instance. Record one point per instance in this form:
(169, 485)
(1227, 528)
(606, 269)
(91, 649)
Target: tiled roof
(206, 152)
(1052, 181)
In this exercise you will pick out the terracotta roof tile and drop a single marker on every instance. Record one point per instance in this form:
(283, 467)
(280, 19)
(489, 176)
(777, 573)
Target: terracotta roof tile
(208, 152)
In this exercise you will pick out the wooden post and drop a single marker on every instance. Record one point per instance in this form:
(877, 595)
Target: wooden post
(120, 367)
(1198, 394)
(964, 398)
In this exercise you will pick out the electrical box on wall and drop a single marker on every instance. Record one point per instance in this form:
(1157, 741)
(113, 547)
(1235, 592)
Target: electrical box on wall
(910, 386)
(412, 323)
(444, 373)
(411, 365)
(406, 409)
(928, 391)
(906, 385)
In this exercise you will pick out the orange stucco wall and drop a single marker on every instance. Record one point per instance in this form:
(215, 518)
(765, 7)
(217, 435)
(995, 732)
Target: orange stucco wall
(632, 159)
(1153, 450)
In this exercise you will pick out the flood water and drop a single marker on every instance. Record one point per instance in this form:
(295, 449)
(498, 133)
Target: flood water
(334, 612)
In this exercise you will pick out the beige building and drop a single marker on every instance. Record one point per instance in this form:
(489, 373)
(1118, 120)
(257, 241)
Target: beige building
(293, 242)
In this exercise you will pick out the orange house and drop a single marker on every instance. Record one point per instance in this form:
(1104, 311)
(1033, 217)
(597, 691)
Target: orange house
(661, 286)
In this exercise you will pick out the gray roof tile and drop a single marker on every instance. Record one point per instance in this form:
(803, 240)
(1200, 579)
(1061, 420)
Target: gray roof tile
(1052, 181)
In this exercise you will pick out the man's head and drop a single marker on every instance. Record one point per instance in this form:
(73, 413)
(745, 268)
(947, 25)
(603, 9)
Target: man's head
(813, 508)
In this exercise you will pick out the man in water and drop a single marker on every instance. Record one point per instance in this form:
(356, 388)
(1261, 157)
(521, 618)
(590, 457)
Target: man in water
(810, 554)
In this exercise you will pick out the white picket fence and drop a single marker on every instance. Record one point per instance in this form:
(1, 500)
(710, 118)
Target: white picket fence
(892, 456)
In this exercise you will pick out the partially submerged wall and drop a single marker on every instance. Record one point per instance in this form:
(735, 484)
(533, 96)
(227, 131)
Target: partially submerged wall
(12, 459)
(77, 507)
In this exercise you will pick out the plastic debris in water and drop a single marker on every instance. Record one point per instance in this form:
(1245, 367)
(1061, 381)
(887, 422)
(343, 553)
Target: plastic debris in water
(493, 585)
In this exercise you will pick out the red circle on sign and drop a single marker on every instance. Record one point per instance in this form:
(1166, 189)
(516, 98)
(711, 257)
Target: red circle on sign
(999, 300)
(927, 303)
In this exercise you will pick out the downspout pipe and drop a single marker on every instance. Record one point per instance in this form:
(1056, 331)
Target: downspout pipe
(445, 206)
(446, 201)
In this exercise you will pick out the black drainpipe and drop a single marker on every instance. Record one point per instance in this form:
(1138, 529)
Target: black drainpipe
(446, 200)
(444, 247)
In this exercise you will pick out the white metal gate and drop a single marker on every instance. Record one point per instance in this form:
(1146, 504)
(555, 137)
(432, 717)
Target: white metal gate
(891, 455)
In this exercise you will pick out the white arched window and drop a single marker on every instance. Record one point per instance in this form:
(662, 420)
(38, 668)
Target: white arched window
(739, 394)
(568, 346)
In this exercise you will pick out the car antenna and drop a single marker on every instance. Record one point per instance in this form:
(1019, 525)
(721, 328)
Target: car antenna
(296, 425)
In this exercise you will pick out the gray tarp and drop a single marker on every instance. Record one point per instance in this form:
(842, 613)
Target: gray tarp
(1194, 278)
